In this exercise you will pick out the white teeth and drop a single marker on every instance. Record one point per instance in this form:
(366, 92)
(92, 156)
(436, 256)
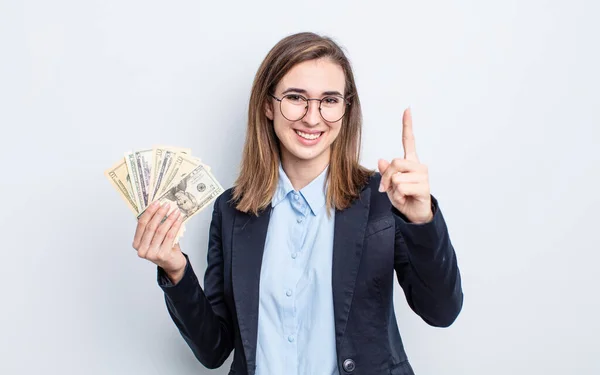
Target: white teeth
(308, 136)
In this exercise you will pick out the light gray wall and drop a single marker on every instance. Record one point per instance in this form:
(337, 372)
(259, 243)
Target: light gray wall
(505, 104)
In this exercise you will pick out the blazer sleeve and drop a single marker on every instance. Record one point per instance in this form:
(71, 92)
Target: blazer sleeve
(427, 269)
(202, 316)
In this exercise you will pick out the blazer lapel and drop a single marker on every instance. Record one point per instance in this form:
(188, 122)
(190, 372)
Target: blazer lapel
(349, 233)
(249, 234)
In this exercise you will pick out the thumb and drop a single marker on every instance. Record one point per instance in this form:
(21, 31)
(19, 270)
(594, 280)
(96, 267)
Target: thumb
(382, 165)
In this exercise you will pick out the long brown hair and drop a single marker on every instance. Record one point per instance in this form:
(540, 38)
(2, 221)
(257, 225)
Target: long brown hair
(259, 169)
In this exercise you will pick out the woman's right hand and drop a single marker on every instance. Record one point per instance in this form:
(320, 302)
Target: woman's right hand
(153, 240)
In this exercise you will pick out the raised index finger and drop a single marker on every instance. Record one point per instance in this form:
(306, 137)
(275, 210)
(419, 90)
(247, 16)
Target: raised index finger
(408, 137)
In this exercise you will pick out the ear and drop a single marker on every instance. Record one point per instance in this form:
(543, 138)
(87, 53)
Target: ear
(269, 109)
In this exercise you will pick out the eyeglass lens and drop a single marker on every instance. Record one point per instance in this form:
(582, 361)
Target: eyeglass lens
(294, 107)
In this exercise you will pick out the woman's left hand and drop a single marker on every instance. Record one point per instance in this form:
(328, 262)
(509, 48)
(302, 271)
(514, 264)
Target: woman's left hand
(405, 180)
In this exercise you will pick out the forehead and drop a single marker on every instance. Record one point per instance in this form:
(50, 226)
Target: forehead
(315, 76)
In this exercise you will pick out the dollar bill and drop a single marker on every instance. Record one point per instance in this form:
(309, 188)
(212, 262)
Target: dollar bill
(157, 157)
(193, 193)
(162, 167)
(159, 152)
(181, 166)
(118, 175)
(136, 188)
(140, 168)
(143, 160)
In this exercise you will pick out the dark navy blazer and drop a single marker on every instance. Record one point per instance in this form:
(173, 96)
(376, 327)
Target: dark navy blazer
(371, 241)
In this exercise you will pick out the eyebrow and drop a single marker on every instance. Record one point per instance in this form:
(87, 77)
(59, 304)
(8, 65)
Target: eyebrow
(302, 91)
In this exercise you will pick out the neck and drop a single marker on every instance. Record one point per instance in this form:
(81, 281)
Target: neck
(302, 172)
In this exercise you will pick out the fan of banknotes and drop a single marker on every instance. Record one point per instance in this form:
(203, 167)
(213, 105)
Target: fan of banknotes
(165, 174)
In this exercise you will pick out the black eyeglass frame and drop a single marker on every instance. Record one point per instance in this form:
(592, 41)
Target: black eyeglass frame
(346, 103)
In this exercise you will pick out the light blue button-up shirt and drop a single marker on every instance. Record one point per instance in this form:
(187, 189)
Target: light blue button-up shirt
(296, 331)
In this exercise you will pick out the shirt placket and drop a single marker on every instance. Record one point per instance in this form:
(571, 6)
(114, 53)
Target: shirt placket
(297, 259)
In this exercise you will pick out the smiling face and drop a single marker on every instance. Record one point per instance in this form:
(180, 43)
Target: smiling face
(309, 139)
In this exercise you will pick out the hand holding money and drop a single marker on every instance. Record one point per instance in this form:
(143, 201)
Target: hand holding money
(154, 236)
(163, 181)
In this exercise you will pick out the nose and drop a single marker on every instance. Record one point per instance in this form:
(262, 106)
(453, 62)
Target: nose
(313, 115)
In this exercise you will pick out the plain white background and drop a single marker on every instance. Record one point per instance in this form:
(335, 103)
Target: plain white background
(505, 106)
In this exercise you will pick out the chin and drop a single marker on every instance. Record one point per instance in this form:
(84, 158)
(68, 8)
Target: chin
(301, 153)
(306, 156)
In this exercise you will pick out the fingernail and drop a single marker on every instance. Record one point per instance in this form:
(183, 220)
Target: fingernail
(155, 203)
(381, 188)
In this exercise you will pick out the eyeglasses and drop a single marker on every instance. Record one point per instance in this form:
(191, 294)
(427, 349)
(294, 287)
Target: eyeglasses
(294, 107)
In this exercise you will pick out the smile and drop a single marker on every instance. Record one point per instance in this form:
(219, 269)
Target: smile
(309, 136)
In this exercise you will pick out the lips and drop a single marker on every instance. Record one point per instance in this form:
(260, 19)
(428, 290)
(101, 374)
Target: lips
(311, 136)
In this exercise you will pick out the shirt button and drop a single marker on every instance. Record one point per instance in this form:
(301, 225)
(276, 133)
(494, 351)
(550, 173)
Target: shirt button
(296, 196)
(294, 255)
(291, 338)
(288, 293)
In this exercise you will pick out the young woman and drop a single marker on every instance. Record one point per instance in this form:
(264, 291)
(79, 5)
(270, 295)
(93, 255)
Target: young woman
(303, 249)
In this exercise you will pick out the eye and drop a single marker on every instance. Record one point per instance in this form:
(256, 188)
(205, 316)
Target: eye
(295, 98)
(331, 100)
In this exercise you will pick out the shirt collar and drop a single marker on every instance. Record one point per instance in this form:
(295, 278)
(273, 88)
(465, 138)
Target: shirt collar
(284, 187)
(313, 193)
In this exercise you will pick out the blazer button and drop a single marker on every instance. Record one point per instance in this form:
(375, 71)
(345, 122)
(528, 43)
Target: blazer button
(349, 365)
